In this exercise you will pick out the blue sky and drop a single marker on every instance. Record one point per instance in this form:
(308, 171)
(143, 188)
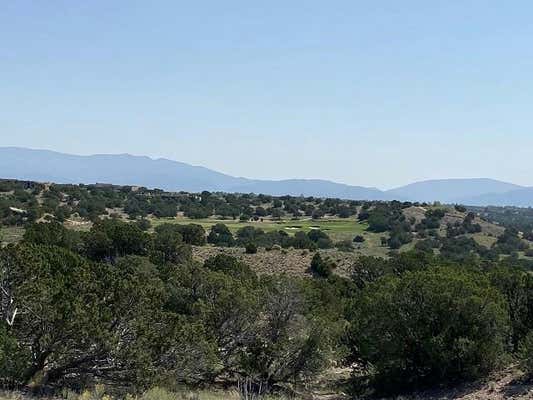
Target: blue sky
(375, 93)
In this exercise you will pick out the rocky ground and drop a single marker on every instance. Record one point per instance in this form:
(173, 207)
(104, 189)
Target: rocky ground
(508, 384)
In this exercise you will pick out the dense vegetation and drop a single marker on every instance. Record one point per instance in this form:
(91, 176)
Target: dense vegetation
(134, 308)
(117, 304)
(127, 305)
(520, 219)
(93, 201)
(22, 203)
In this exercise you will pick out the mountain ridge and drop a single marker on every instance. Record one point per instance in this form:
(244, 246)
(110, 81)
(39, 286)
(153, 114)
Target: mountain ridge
(455, 190)
(171, 175)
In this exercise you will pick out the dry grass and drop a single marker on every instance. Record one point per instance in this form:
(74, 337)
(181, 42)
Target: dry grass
(100, 393)
(507, 384)
(11, 234)
(290, 261)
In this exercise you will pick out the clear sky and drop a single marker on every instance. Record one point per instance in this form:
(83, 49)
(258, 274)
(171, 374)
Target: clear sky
(374, 93)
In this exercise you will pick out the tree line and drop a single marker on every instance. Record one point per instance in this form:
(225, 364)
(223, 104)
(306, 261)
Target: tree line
(22, 203)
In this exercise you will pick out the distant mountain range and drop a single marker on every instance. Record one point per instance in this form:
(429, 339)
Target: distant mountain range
(463, 191)
(125, 169)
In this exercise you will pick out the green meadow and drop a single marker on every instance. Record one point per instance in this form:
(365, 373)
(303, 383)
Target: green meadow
(336, 228)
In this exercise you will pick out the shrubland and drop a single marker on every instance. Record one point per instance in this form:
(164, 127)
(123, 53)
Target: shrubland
(124, 305)
(457, 231)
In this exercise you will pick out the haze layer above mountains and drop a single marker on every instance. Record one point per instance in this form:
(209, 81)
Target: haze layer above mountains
(125, 169)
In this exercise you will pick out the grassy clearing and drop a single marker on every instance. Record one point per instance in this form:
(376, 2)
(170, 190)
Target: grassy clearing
(336, 228)
(11, 234)
(372, 245)
(483, 239)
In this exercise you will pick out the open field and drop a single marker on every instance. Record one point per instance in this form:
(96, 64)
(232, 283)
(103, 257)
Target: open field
(336, 228)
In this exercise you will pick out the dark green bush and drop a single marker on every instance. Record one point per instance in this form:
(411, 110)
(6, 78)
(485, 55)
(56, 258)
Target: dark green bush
(526, 354)
(517, 287)
(321, 267)
(250, 248)
(429, 328)
(220, 235)
(13, 358)
(358, 239)
(53, 234)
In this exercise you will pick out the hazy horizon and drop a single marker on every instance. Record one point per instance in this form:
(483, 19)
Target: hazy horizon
(362, 94)
(267, 178)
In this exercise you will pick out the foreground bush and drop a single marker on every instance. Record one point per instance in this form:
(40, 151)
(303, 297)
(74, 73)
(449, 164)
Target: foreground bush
(517, 288)
(428, 328)
(526, 354)
(162, 319)
(11, 359)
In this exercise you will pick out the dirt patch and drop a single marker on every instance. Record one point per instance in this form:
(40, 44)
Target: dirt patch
(507, 384)
(418, 213)
(290, 261)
